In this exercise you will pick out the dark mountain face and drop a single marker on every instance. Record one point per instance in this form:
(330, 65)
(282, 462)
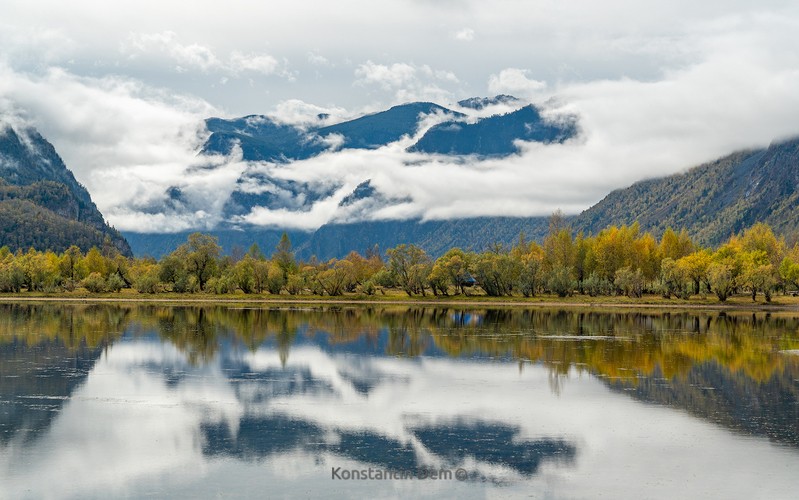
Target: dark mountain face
(262, 139)
(379, 129)
(41, 202)
(712, 201)
(495, 135)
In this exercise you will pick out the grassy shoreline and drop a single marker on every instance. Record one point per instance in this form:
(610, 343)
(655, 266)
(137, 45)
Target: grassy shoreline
(779, 303)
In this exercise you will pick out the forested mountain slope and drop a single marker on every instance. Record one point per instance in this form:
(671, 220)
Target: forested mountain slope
(712, 201)
(41, 203)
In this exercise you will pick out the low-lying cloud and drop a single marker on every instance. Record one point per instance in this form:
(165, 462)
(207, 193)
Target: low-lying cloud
(733, 85)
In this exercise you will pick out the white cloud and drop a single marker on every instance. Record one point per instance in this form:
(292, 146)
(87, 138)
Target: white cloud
(127, 143)
(259, 63)
(387, 77)
(301, 113)
(407, 82)
(185, 55)
(465, 35)
(318, 59)
(675, 84)
(195, 56)
(514, 81)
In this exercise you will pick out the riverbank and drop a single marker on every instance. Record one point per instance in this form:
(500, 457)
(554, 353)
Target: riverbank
(742, 302)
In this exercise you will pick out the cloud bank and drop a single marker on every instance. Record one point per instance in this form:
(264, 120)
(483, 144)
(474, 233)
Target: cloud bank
(681, 83)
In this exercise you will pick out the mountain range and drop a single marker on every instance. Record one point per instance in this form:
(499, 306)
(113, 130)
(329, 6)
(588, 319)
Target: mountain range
(262, 138)
(41, 203)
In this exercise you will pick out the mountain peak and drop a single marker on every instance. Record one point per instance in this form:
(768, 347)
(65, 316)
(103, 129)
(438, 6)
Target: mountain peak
(478, 103)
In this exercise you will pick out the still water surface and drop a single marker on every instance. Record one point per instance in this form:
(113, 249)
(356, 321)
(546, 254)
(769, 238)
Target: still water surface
(225, 402)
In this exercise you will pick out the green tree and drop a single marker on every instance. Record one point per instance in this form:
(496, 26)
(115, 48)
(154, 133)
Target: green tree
(630, 282)
(173, 272)
(410, 266)
(497, 273)
(72, 267)
(200, 253)
(275, 278)
(452, 268)
(695, 268)
(789, 271)
(758, 274)
(244, 274)
(284, 257)
(95, 262)
(94, 283)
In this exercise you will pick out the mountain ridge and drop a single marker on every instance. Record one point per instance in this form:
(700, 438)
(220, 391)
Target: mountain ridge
(42, 205)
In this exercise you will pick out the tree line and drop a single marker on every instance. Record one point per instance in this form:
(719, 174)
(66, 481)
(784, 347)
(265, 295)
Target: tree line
(619, 260)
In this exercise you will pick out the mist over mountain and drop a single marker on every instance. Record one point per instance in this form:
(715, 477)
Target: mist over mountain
(41, 203)
(262, 138)
(712, 201)
(420, 128)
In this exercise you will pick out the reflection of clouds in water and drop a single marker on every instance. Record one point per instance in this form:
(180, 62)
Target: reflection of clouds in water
(147, 419)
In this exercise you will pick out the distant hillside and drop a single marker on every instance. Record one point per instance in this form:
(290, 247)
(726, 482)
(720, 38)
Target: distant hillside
(41, 203)
(435, 237)
(712, 201)
(337, 240)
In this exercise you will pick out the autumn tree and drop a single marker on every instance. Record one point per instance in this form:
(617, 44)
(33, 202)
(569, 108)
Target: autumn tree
(200, 253)
(453, 268)
(410, 266)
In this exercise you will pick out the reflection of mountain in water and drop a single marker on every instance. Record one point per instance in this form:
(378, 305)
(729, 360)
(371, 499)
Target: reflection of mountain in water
(35, 382)
(454, 444)
(712, 392)
(725, 368)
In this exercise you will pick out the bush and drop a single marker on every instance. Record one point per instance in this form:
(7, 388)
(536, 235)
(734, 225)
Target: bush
(295, 284)
(94, 283)
(595, 285)
(114, 283)
(560, 281)
(146, 283)
(367, 287)
(630, 282)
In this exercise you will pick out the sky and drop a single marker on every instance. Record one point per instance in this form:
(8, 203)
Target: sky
(122, 88)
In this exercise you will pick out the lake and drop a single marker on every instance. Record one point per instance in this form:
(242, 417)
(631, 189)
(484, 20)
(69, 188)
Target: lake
(135, 401)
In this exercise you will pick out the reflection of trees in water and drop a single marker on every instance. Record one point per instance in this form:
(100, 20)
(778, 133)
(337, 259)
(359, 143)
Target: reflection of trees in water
(72, 326)
(613, 344)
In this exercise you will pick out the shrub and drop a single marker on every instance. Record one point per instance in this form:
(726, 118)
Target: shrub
(94, 283)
